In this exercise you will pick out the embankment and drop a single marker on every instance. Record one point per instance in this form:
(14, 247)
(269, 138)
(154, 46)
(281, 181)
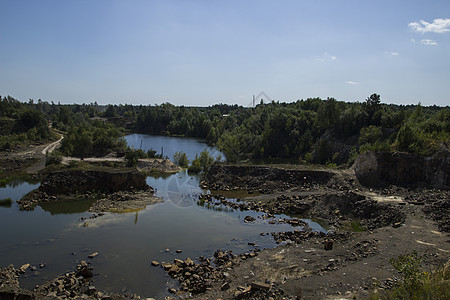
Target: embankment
(59, 185)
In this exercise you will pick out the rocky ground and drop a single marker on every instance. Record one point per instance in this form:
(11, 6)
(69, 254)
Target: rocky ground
(125, 201)
(367, 227)
(75, 284)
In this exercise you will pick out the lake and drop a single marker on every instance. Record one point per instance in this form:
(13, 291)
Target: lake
(54, 233)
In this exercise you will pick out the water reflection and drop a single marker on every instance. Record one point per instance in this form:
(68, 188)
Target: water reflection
(72, 206)
(7, 202)
(181, 189)
(170, 145)
(17, 188)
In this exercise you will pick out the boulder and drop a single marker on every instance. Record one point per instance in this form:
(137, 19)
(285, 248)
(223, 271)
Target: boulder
(85, 272)
(155, 263)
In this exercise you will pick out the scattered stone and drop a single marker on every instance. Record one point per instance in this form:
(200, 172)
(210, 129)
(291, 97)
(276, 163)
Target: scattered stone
(260, 286)
(85, 272)
(24, 267)
(242, 293)
(397, 224)
(93, 255)
(155, 263)
(189, 262)
(328, 244)
(249, 219)
(179, 251)
(225, 286)
(91, 290)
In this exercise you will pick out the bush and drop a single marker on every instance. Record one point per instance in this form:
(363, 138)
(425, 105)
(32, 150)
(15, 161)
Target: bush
(180, 159)
(370, 135)
(53, 158)
(94, 138)
(73, 164)
(202, 163)
(196, 166)
(417, 284)
(206, 160)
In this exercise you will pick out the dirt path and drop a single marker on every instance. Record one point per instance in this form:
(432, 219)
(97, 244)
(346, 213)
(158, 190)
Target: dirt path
(52, 146)
(39, 155)
(30, 160)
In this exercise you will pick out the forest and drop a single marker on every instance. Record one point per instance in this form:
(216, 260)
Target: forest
(327, 132)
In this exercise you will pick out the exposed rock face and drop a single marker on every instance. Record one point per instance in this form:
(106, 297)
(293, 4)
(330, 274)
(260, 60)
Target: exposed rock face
(403, 169)
(76, 181)
(262, 179)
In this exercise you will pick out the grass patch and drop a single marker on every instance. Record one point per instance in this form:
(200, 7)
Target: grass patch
(417, 284)
(6, 202)
(354, 226)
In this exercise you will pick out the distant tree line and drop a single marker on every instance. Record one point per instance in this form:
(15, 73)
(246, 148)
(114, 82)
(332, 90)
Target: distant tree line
(312, 130)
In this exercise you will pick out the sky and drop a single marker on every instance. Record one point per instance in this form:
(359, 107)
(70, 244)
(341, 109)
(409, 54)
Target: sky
(200, 53)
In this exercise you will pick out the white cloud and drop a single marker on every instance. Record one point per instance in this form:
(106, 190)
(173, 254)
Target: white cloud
(351, 82)
(393, 53)
(325, 57)
(438, 26)
(413, 41)
(428, 42)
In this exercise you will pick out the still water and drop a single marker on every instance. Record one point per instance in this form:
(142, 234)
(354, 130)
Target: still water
(169, 145)
(127, 243)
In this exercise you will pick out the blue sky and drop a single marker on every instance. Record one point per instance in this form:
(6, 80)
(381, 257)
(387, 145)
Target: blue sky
(207, 52)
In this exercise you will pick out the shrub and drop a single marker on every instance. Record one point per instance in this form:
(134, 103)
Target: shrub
(53, 158)
(180, 159)
(195, 166)
(417, 284)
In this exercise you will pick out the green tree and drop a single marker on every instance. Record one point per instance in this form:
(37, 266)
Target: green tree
(195, 166)
(405, 138)
(110, 111)
(202, 163)
(180, 159)
(370, 135)
(206, 160)
(373, 104)
(229, 144)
